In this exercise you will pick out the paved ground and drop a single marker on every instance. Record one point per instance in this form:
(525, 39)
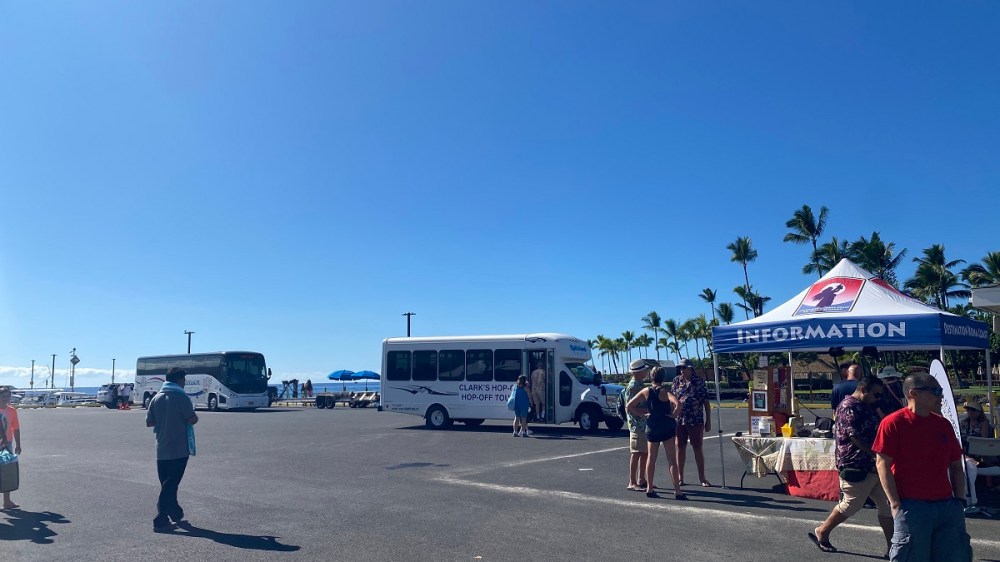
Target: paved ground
(365, 485)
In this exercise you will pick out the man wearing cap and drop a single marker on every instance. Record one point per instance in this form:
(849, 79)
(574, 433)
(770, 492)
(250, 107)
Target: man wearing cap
(921, 470)
(695, 417)
(846, 387)
(892, 397)
(637, 444)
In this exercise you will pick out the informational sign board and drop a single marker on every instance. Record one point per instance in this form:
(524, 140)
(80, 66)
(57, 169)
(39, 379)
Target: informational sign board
(770, 400)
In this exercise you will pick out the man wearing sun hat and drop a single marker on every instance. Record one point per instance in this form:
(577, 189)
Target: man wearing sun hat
(638, 451)
(892, 397)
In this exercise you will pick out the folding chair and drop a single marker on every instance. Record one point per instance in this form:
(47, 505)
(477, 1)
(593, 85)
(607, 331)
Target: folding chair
(980, 447)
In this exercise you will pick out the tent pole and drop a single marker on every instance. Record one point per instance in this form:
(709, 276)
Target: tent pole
(718, 416)
(791, 382)
(989, 390)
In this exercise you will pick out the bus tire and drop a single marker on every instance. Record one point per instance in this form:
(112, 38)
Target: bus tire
(213, 403)
(145, 400)
(589, 418)
(614, 424)
(437, 417)
(474, 423)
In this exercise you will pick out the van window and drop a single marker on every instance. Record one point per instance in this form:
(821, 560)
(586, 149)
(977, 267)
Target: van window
(479, 365)
(397, 365)
(508, 364)
(451, 365)
(425, 365)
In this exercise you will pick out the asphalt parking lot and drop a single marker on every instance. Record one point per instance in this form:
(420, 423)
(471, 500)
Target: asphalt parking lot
(357, 484)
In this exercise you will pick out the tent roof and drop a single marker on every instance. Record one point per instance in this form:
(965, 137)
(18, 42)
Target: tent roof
(851, 308)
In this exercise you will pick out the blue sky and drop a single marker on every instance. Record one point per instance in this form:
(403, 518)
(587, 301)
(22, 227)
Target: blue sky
(292, 177)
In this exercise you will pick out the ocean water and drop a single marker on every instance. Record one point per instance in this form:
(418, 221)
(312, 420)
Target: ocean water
(357, 386)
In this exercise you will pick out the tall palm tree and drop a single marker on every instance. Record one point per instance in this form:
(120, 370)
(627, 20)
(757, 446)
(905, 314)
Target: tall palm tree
(664, 343)
(676, 349)
(877, 257)
(702, 331)
(652, 321)
(726, 312)
(743, 252)
(688, 331)
(827, 256)
(643, 342)
(629, 338)
(620, 348)
(986, 273)
(754, 301)
(708, 295)
(607, 347)
(934, 281)
(806, 228)
(672, 330)
(593, 345)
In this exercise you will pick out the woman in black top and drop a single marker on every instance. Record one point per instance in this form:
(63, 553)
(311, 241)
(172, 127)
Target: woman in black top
(661, 407)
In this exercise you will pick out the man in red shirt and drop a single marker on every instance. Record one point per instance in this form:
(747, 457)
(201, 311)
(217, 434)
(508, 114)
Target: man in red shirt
(920, 467)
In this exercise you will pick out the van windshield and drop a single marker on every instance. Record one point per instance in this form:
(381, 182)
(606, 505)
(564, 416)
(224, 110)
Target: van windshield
(582, 373)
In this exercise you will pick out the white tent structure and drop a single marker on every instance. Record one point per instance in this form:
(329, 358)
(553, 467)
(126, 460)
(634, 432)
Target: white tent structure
(850, 308)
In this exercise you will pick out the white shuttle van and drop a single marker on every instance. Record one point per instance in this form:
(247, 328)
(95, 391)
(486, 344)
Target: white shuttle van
(469, 379)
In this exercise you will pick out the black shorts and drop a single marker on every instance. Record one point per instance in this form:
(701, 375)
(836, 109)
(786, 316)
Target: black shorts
(662, 430)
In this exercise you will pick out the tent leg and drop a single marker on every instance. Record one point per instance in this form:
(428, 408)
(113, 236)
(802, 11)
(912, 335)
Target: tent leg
(989, 390)
(718, 416)
(791, 382)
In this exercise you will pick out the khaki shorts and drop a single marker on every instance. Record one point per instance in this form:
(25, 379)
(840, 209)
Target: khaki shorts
(637, 442)
(854, 494)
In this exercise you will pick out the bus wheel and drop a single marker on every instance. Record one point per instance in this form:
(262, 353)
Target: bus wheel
(474, 423)
(614, 424)
(145, 400)
(213, 403)
(589, 419)
(437, 418)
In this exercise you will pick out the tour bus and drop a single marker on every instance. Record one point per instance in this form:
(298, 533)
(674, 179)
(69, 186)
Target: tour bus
(469, 379)
(225, 379)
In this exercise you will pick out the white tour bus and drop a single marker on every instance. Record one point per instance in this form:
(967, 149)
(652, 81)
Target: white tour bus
(224, 379)
(469, 378)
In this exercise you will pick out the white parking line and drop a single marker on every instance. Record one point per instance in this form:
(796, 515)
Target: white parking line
(710, 515)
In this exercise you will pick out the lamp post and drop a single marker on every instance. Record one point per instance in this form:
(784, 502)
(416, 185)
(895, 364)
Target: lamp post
(408, 315)
(52, 374)
(113, 370)
(73, 360)
(32, 382)
(189, 332)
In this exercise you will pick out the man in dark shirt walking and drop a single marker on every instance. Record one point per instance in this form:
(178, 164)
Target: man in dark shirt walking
(170, 413)
(855, 430)
(846, 387)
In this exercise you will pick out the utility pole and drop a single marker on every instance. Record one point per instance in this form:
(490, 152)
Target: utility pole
(112, 370)
(408, 315)
(189, 332)
(32, 382)
(73, 360)
(52, 375)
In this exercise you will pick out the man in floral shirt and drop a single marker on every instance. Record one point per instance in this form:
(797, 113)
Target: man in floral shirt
(855, 429)
(695, 418)
(637, 448)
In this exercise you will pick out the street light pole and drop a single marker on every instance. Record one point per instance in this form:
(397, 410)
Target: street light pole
(52, 375)
(189, 332)
(113, 370)
(73, 360)
(32, 383)
(408, 315)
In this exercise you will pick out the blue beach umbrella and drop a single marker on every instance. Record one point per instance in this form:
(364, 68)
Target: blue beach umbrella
(366, 375)
(341, 375)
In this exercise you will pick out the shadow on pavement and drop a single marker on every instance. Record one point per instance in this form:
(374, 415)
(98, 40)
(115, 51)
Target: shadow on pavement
(566, 432)
(24, 525)
(741, 499)
(416, 465)
(250, 542)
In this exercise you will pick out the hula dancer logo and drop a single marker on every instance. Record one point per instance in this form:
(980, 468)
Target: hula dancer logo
(836, 294)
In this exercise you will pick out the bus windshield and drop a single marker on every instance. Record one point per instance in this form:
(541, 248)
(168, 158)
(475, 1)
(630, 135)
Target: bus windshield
(246, 374)
(582, 373)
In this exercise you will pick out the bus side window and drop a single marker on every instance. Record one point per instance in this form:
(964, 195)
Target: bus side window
(398, 365)
(425, 365)
(451, 365)
(508, 364)
(479, 365)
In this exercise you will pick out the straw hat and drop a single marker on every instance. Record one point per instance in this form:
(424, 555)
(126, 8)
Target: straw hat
(889, 372)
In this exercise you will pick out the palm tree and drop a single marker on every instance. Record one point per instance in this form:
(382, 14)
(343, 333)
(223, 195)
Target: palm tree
(986, 273)
(877, 257)
(754, 301)
(744, 253)
(934, 281)
(676, 349)
(827, 256)
(708, 295)
(664, 343)
(807, 228)
(672, 331)
(607, 347)
(652, 321)
(593, 344)
(620, 348)
(629, 338)
(725, 311)
(702, 331)
(688, 332)
(643, 342)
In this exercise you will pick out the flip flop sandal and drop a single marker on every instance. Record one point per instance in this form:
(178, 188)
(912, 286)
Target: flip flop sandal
(706, 484)
(632, 487)
(680, 496)
(825, 546)
(652, 494)
(642, 485)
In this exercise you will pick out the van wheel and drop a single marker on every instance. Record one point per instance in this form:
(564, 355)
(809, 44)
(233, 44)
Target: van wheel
(437, 418)
(145, 400)
(614, 424)
(213, 403)
(589, 419)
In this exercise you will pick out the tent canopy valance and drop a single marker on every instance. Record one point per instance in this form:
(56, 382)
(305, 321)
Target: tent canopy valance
(851, 308)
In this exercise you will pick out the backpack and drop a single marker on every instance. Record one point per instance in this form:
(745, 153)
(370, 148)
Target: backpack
(622, 400)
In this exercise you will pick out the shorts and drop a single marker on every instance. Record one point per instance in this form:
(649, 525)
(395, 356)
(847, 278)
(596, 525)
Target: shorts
(661, 434)
(637, 442)
(538, 396)
(854, 495)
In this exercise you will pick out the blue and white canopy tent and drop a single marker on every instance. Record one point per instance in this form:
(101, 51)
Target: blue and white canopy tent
(850, 308)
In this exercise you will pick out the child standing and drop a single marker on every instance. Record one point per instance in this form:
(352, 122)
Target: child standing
(522, 403)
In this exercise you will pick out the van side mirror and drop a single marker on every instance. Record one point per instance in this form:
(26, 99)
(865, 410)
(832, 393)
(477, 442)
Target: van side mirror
(268, 373)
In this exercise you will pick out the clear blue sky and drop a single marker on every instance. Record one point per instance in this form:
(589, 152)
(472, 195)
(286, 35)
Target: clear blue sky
(290, 177)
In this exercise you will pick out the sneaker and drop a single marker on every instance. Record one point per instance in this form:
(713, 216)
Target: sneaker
(515, 434)
(528, 432)
(158, 528)
(520, 434)
(972, 509)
